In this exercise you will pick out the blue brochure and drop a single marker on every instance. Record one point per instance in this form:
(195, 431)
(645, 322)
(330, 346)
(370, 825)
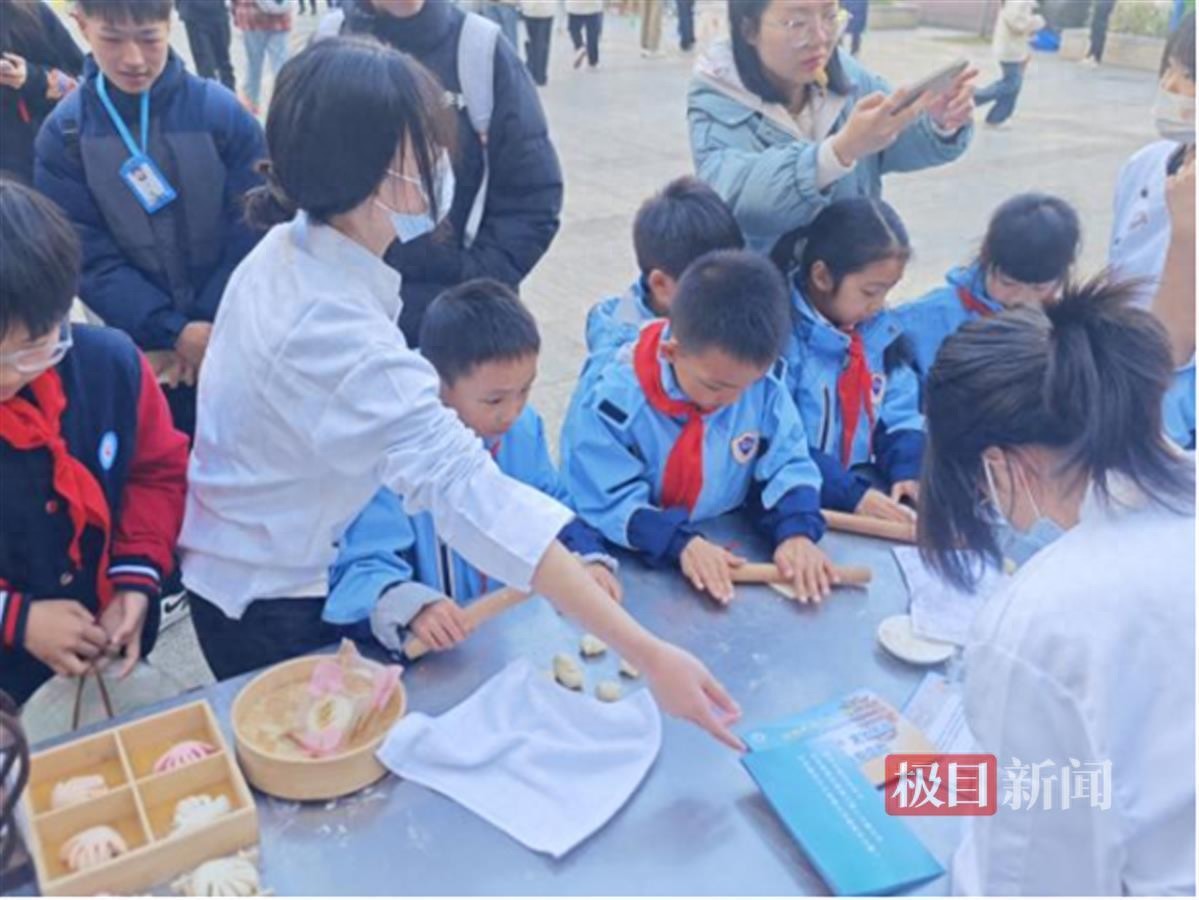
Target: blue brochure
(838, 818)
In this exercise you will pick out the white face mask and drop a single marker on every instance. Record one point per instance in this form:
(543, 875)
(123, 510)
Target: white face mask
(410, 226)
(1174, 116)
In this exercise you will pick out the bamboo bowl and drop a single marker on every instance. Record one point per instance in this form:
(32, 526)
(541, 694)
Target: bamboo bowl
(296, 778)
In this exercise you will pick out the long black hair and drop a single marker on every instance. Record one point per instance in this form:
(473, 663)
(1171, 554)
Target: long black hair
(745, 20)
(1085, 376)
(340, 110)
(1180, 48)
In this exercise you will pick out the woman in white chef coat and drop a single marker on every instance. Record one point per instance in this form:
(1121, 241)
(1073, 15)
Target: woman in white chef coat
(1050, 421)
(1153, 232)
(310, 399)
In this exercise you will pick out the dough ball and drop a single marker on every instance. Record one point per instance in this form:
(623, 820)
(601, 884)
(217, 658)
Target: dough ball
(609, 691)
(77, 789)
(590, 645)
(628, 670)
(567, 672)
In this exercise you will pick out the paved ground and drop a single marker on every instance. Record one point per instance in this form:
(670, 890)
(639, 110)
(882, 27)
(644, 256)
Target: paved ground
(621, 134)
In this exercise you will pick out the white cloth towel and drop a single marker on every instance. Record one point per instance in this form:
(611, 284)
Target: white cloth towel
(546, 765)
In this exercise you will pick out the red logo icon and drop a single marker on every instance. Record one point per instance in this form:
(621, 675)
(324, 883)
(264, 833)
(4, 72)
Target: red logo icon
(941, 784)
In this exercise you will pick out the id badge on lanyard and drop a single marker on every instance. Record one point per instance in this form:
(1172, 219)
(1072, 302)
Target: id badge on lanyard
(139, 172)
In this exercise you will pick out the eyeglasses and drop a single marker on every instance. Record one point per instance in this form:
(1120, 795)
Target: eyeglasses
(35, 360)
(802, 29)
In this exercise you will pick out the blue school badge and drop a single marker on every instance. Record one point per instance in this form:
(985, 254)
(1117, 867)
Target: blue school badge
(878, 387)
(745, 447)
(108, 450)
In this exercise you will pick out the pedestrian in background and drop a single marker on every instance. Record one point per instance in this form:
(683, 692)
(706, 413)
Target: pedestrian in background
(538, 16)
(209, 34)
(265, 25)
(1101, 14)
(686, 13)
(651, 27)
(1018, 21)
(506, 14)
(585, 18)
(859, 11)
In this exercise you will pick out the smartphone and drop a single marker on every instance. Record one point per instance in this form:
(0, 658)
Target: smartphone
(934, 83)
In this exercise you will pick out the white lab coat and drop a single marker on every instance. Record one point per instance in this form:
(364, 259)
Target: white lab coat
(310, 402)
(1089, 654)
(1141, 222)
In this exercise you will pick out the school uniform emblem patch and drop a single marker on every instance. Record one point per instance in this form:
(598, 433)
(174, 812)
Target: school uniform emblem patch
(878, 387)
(108, 450)
(745, 447)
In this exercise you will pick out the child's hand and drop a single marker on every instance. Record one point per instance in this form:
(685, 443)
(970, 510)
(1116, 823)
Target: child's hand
(878, 505)
(604, 577)
(441, 625)
(906, 490)
(64, 635)
(13, 71)
(122, 621)
(192, 343)
(807, 567)
(708, 565)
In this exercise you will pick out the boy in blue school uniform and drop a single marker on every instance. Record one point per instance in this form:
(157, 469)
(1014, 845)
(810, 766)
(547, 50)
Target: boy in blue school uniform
(1031, 243)
(849, 363)
(672, 229)
(151, 163)
(393, 570)
(693, 420)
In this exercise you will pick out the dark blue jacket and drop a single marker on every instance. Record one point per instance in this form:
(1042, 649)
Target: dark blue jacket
(151, 275)
(525, 193)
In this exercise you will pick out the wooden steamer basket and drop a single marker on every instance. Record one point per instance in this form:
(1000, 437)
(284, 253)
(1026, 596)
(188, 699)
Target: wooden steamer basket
(296, 778)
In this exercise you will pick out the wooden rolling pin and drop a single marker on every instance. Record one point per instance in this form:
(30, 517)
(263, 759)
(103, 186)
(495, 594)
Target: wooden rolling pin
(486, 607)
(903, 532)
(768, 573)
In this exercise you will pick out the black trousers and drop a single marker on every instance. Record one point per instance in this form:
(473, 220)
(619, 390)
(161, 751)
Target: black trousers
(590, 26)
(182, 401)
(269, 632)
(1101, 13)
(686, 10)
(537, 47)
(209, 42)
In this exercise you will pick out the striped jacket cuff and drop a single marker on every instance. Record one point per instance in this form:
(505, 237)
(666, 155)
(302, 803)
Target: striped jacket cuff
(14, 613)
(136, 573)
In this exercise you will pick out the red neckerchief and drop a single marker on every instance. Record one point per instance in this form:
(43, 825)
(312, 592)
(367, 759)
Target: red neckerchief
(683, 480)
(32, 426)
(970, 303)
(853, 393)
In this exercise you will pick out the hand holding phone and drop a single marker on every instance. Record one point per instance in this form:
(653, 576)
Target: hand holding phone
(935, 83)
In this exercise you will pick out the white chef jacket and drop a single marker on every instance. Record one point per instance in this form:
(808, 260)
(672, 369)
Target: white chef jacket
(1141, 224)
(309, 402)
(1089, 654)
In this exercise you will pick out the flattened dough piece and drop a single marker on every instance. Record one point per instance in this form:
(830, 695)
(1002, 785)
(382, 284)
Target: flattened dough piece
(609, 691)
(784, 588)
(628, 670)
(590, 645)
(568, 672)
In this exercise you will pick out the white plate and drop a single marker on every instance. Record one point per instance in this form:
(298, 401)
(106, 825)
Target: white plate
(897, 637)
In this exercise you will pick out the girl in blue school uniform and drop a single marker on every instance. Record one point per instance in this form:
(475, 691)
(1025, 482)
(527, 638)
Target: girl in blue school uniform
(392, 569)
(849, 364)
(1030, 247)
(693, 420)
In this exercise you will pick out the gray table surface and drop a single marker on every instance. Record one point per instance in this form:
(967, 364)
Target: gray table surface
(697, 824)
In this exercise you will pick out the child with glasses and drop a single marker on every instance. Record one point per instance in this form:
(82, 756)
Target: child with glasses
(92, 473)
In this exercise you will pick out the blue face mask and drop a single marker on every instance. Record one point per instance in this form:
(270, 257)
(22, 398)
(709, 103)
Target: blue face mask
(410, 226)
(1016, 545)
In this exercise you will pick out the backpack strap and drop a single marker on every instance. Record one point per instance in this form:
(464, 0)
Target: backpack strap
(476, 76)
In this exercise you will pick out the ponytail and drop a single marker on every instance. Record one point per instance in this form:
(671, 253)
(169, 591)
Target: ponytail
(1086, 376)
(268, 204)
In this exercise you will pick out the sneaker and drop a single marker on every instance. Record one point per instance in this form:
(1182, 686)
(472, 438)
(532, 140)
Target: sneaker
(1089, 62)
(580, 55)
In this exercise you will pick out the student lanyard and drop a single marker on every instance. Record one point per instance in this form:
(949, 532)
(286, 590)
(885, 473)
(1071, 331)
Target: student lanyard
(119, 123)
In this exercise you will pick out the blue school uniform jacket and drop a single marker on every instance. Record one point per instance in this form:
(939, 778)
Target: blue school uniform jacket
(816, 355)
(1178, 409)
(754, 453)
(929, 320)
(384, 547)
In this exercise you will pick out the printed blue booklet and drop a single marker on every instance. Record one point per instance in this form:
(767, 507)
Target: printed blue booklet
(839, 820)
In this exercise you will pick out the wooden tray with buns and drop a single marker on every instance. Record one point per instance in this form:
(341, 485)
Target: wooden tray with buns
(131, 807)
